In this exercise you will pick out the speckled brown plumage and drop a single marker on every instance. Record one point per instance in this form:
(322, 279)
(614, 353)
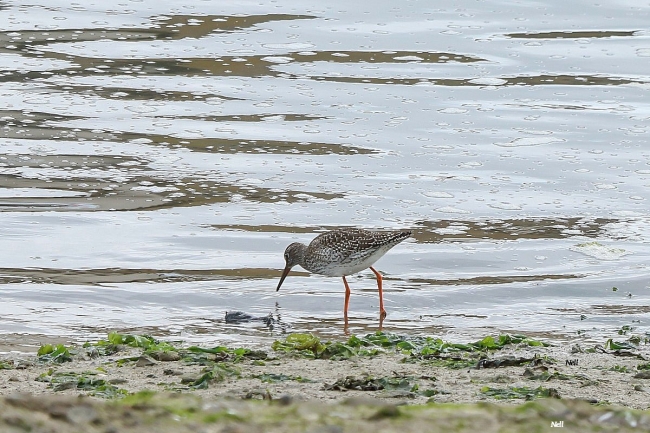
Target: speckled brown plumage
(343, 252)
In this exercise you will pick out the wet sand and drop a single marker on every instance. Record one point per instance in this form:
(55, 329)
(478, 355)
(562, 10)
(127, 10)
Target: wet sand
(603, 377)
(267, 391)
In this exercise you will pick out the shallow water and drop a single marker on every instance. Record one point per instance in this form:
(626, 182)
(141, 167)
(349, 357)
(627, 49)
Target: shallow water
(157, 159)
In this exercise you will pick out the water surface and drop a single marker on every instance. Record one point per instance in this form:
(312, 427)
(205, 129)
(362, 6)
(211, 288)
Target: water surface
(157, 158)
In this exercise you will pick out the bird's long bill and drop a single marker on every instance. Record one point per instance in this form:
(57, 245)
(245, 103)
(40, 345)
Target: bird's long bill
(284, 275)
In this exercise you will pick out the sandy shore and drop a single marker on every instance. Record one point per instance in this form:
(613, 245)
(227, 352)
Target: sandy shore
(565, 371)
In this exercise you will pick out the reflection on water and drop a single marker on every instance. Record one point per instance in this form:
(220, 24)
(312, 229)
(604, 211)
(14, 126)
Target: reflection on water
(157, 160)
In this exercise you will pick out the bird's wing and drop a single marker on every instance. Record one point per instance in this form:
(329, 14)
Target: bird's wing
(350, 245)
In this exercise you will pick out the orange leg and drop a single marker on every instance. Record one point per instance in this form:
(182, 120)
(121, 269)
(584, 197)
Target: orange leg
(347, 299)
(382, 310)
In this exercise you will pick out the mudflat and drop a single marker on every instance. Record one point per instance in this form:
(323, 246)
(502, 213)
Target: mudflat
(378, 380)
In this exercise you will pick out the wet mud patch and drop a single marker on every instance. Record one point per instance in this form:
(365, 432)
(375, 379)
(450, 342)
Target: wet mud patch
(390, 368)
(509, 229)
(124, 379)
(109, 276)
(104, 182)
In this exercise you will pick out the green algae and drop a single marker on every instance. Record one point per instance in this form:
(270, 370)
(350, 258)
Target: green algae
(645, 366)
(279, 377)
(408, 384)
(214, 374)
(306, 345)
(310, 346)
(198, 354)
(545, 376)
(85, 381)
(115, 342)
(519, 392)
(54, 353)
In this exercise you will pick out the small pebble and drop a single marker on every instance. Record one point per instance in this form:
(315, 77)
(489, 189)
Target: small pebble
(166, 356)
(642, 375)
(117, 381)
(145, 361)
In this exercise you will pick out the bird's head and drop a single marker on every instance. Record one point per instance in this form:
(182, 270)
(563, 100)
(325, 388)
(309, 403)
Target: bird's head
(293, 255)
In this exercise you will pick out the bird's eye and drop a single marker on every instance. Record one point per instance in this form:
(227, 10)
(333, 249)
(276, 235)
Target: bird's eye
(286, 257)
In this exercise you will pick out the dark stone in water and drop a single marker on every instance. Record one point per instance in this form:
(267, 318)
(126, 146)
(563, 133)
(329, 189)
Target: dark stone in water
(241, 317)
